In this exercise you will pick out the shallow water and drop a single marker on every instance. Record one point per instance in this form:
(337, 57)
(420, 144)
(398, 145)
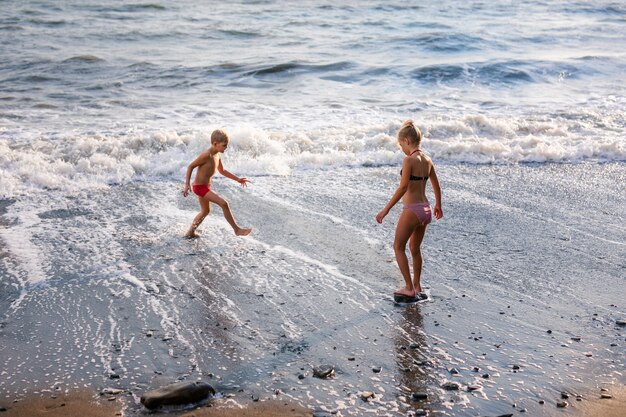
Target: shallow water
(125, 295)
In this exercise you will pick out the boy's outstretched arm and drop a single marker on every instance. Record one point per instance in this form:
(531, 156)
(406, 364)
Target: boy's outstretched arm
(243, 181)
(203, 158)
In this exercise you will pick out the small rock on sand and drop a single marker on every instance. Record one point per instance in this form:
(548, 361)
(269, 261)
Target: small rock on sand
(323, 371)
(177, 394)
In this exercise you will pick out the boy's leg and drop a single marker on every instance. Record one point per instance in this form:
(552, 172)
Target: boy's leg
(404, 229)
(214, 198)
(205, 209)
(415, 245)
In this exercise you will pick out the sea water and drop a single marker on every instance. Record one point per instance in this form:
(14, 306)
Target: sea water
(522, 106)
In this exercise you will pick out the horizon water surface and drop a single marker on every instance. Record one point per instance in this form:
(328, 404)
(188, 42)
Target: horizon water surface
(523, 109)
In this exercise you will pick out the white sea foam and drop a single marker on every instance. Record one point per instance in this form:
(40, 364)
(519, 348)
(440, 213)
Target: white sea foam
(75, 162)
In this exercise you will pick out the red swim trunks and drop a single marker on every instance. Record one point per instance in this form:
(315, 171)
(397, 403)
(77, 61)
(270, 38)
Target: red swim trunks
(201, 190)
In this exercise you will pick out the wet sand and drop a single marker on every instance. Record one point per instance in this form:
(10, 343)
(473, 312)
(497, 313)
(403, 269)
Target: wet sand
(84, 403)
(512, 319)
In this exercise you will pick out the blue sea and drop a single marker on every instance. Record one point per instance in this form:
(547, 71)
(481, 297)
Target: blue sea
(523, 110)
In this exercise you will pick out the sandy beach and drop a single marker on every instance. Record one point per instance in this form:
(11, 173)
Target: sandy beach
(80, 404)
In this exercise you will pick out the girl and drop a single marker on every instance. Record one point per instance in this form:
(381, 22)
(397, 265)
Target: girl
(417, 168)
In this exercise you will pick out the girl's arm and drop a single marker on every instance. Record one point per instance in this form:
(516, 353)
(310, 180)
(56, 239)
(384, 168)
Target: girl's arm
(228, 174)
(434, 181)
(404, 185)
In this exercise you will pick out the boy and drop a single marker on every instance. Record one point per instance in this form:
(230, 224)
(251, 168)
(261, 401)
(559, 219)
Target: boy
(207, 163)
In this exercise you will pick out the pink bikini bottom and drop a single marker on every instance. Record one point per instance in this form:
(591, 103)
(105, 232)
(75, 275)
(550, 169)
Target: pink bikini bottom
(422, 211)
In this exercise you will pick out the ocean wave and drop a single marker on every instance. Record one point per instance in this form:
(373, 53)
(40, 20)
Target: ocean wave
(75, 162)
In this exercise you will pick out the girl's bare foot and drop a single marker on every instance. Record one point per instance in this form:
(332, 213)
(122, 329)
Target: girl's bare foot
(243, 232)
(405, 291)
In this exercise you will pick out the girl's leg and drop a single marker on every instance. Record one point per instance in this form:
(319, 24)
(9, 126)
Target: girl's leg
(214, 198)
(205, 209)
(404, 229)
(415, 245)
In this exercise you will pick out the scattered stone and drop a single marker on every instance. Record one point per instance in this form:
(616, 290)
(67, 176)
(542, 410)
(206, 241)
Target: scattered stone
(604, 390)
(419, 396)
(322, 414)
(177, 394)
(114, 376)
(323, 371)
(377, 369)
(589, 355)
(606, 396)
(486, 376)
(351, 358)
(476, 369)
(111, 391)
(149, 334)
(473, 387)
(505, 415)
(620, 322)
(542, 402)
(301, 376)
(453, 371)
(549, 331)
(561, 404)
(366, 395)
(3, 409)
(414, 346)
(451, 386)
(522, 410)
(516, 367)
(420, 412)
(576, 338)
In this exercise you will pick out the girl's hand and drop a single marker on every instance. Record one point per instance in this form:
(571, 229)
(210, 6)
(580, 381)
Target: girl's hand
(438, 212)
(381, 215)
(244, 182)
(186, 190)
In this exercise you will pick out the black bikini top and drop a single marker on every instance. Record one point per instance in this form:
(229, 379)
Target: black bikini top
(413, 177)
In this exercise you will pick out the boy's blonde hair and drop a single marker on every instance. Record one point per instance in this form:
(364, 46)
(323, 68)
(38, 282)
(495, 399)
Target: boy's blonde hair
(409, 131)
(219, 136)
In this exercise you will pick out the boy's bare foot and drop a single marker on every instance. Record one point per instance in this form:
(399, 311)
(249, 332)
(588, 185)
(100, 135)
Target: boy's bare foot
(243, 232)
(191, 235)
(405, 291)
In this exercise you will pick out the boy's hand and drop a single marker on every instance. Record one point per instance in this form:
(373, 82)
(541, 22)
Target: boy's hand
(381, 216)
(244, 182)
(186, 190)
(438, 212)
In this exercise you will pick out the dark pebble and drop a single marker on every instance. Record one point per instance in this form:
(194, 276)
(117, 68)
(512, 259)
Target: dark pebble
(114, 376)
(564, 395)
(419, 396)
(486, 376)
